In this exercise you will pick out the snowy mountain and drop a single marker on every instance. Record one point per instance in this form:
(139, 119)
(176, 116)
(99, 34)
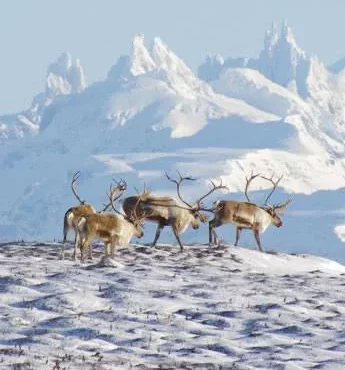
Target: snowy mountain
(64, 77)
(281, 61)
(152, 115)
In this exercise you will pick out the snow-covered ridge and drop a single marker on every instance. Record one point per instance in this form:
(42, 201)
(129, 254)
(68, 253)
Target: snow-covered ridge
(204, 308)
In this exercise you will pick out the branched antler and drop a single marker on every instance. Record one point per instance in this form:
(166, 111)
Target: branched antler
(138, 217)
(274, 183)
(146, 192)
(248, 181)
(74, 180)
(111, 204)
(178, 184)
(214, 187)
(121, 185)
(119, 189)
(280, 208)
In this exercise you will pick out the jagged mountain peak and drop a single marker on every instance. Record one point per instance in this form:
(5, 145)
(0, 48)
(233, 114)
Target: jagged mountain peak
(62, 64)
(140, 59)
(275, 39)
(165, 58)
(287, 34)
(65, 77)
(158, 62)
(143, 60)
(271, 36)
(137, 63)
(281, 60)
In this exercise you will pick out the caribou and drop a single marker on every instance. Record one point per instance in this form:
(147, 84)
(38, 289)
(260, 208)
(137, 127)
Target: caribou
(73, 214)
(166, 211)
(248, 215)
(112, 229)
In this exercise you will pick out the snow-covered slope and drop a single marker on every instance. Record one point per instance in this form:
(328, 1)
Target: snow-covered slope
(206, 308)
(319, 117)
(152, 114)
(257, 90)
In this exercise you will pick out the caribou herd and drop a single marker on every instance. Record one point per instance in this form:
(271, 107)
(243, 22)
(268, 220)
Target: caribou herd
(118, 228)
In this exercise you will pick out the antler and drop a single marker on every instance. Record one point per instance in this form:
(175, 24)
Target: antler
(275, 184)
(119, 189)
(146, 192)
(214, 188)
(121, 186)
(280, 208)
(74, 180)
(111, 201)
(135, 217)
(248, 181)
(178, 184)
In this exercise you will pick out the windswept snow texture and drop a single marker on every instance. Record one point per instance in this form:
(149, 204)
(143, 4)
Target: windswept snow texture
(150, 308)
(281, 113)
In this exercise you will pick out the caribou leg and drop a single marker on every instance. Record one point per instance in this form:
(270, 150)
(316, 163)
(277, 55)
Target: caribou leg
(65, 232)
(177, 238)
(90, 252)
(84, 247)
(215, 236)
(112, 248)
(158, 233)
(238, 233)
(76, 244)
(212, 232)
(257, 238)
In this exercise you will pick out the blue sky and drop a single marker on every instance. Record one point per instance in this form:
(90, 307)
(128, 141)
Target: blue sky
(34, 33)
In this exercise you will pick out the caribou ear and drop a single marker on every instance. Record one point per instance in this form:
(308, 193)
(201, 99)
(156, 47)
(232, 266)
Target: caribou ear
(281, 208)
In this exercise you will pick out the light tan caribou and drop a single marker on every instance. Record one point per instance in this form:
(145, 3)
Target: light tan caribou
(73, 214)
(112, 229)
(247, 215)
(166, 211)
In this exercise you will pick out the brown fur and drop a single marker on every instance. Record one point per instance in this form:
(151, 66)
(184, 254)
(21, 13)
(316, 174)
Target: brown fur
(112, 229)
(245, 215)
(164, 211)
(71, 219)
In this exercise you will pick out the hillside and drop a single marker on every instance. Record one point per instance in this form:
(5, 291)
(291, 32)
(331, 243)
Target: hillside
(206, 308)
